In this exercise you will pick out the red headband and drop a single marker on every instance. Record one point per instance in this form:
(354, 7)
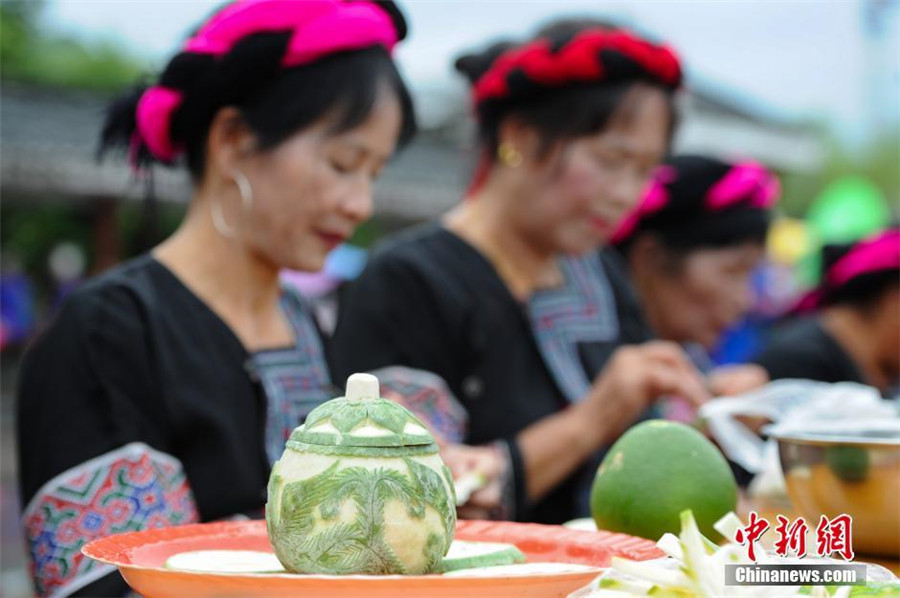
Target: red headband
(319, 28)
(581, 60)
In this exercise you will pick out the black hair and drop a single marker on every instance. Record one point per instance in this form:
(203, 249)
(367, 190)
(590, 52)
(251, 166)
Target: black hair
(567, 27)
(559, 114)
(275, 102)
(723, 231)
(861, 292)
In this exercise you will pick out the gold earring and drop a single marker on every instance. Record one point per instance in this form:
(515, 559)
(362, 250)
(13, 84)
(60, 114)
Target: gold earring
(509, 155)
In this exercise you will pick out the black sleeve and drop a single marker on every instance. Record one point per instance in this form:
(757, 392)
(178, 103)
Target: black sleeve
(91, 442)
(393, 314)
(783, 361)
(802, 349)
(84, 388)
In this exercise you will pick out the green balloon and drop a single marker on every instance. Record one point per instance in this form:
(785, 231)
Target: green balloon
(808, 269)
(848, 209)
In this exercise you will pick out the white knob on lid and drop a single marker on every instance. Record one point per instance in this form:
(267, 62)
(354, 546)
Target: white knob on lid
(361, 387)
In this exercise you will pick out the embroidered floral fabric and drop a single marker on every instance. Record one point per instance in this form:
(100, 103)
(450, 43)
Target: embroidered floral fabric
(131, 488)
(428, 396)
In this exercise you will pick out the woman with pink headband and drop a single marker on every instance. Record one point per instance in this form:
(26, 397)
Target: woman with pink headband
(166, 387)
(690, 249)
(850, 329)
(494, 311)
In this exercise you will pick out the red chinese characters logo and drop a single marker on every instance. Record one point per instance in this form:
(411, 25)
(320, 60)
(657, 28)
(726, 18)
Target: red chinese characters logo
(751, 533)
(835, 536)
(791, 537)
(832, 536)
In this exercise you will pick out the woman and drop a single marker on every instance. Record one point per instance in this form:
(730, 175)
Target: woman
(851, 330)
(691, 248)
(481, 310)
(165, 388)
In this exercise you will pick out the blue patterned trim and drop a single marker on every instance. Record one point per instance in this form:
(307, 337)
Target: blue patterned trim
(582, 310)
(296, 380)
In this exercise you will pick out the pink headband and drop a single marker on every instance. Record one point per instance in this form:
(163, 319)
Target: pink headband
(875, 254)
(655, 198)
(878, 253)
(745, 183)
(319, 28)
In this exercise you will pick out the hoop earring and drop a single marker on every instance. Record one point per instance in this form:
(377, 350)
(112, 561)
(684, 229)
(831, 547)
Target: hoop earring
(246, 192)
(244, 188)
(509, 155)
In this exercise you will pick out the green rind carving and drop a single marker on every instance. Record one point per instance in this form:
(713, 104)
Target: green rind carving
(435, 549)
(448, 477)
(506, 556)
(389, 440)
(432, 490)
(387, 415)
(346, 416)
(311, 522)
(274, 492)
(305, 546)
(417, 439)
(382, 452)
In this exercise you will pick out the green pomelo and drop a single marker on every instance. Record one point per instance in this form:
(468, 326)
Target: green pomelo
(655, 471)
(471, 555)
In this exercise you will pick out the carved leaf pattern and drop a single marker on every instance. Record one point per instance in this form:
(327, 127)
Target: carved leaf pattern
(358, 546)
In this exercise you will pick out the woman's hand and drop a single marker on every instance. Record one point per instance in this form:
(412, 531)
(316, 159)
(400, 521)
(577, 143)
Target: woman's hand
(488, 462)
(634, 378)
(731, 380)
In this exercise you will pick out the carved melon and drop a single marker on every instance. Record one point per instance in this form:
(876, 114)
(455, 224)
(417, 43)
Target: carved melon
(361, 489)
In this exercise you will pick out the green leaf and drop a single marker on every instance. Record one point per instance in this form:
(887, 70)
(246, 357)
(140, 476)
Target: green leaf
(320, 414)
(434, 553)
(300, 499)
(389, 416)
(448, 477)
(431, 488)
(347, 416)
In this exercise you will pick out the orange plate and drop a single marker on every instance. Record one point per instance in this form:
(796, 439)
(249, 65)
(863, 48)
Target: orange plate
(140, 557)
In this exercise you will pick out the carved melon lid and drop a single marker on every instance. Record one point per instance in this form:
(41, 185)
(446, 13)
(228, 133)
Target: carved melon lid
(362, 419)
